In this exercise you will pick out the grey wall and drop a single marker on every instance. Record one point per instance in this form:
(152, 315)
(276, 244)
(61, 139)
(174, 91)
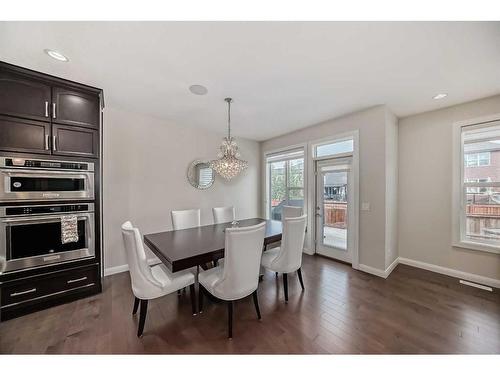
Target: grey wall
(425, 177)
(372, 175)
(145, 163)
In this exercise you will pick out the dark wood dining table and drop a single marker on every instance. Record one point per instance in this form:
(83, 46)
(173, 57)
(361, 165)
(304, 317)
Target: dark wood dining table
(194, 247)
(186, 248)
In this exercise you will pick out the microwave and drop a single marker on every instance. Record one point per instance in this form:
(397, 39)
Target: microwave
(42, 180)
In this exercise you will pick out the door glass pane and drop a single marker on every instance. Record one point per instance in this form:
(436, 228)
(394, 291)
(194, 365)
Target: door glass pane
(335, 209)
(482, 214)
(335, 148)
(277, 188)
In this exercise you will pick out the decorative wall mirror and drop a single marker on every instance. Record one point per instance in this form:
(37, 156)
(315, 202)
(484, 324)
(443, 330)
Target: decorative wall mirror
(200, 175)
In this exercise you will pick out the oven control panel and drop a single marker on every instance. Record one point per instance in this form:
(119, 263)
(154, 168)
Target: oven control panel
(45, 164)
(48, 209)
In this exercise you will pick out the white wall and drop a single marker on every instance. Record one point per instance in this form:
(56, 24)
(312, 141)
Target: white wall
(372, 175)
(425, 176)
(145, 164)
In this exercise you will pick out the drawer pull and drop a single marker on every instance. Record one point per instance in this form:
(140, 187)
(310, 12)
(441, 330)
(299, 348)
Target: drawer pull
(77, 280)
(21, 293)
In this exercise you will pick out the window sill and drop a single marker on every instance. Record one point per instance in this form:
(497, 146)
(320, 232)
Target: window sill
(477, 246)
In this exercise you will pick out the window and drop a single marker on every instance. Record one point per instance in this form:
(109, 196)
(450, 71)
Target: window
(477, 159)
(334, 148)
(286, 181)
(480, 185)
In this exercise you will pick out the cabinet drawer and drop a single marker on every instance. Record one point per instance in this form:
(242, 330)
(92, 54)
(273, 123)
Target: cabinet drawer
(44, 286)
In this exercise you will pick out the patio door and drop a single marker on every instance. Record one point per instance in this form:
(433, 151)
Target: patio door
(334, 208)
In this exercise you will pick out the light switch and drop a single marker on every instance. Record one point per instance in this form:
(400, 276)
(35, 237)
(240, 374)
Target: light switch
(365, 206)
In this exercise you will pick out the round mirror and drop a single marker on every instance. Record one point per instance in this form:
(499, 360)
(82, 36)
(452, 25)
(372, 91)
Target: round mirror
(200, 175)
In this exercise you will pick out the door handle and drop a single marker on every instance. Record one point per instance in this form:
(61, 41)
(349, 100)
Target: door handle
(47, 140)
(54, 141)
(46, 109)
(318, 215)
(53, 110)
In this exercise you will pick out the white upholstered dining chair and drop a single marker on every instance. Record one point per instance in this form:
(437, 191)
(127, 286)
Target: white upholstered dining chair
(291, 211)
(223, 214)
(239, 276)
(150, 282)
(185, 219)
(288, 257)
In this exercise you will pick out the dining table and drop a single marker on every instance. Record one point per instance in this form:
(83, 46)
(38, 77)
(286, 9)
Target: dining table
(183, 249)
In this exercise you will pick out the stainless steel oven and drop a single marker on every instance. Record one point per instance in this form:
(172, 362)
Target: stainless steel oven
(41, 180)
(30, 236)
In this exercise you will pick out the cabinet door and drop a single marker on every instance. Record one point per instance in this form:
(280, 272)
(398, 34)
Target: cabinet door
(73, 107)
(24, 135)
(22, 96)
(75, 141)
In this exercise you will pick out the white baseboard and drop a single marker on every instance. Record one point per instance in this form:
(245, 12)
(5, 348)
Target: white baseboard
(378, 272)
(374, 271)
(308, 251)
(124, 267)
(495, 283)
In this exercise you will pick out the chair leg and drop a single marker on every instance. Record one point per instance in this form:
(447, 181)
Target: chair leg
(142, 318)
(200, 299)
(299, 272)
(136, 306)
(285, 286)
(192, 292)
(230, 319)
(256, 303)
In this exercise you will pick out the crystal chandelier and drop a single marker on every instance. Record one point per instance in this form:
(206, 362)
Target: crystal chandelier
(228, 164)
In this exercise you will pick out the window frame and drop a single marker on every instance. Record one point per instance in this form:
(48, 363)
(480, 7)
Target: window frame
(459, 186)
(287, 156)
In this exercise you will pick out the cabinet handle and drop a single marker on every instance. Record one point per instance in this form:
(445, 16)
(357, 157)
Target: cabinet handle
(46, 109)
(21, 293)
(54, 142)
(53, 110)
(76, 280)
(47, 140)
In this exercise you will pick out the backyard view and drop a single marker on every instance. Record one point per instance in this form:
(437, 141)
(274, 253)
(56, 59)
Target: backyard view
(287, 185)
(335, 209)
(481, 172)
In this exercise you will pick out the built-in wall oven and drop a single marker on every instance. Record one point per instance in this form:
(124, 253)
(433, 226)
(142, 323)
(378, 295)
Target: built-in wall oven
(24, 180)
(30, 236)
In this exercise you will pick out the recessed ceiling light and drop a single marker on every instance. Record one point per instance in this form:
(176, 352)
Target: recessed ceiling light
(440, 96)
(198, 89)
(56, 55)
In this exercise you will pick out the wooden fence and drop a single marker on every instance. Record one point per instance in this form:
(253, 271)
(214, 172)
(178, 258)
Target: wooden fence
(335, 214)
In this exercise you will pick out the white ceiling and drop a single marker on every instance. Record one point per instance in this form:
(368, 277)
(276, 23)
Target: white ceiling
(282, 75)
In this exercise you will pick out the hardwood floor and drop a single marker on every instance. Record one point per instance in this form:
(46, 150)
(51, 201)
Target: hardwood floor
(340, 311)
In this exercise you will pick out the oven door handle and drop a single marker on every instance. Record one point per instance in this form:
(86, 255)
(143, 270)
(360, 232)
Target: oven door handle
(40, 219)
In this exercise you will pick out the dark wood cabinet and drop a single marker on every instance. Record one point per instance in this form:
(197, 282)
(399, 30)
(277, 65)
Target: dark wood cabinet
(23, 96)
(73, 107)
(50, 118)
(74, 141)
(21, 135)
